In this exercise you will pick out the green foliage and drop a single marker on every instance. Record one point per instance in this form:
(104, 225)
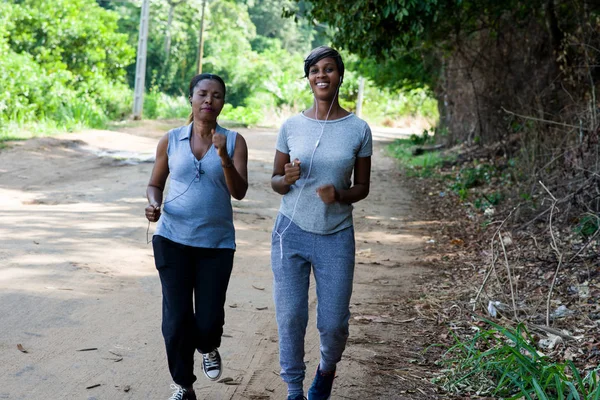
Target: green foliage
(232, 39)
(74, 73)
(504, 363)
(472, 176)
(401, 72)
(60, 75)
(419, 140)
(169, 71)
(469, 177)
(417, 165)
(83, 40)
(246, 116)
(402, 43)
(395, 34)
(491, 199)
(588, 225)
(386, 104)
(259, 53)
(267, 16)
(160, 105)
(262, 73)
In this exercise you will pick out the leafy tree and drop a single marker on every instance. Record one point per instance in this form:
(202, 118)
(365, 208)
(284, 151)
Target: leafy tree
(407, 38)
(68, 72)
(271, 23)
(172, 5)
(229, 32)
(85, 42)
(477, 56)
(172, 42)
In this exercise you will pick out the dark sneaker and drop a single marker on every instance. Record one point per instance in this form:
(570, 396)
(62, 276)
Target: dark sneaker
(211, 365)
(181, 393)
(321, 386)
(298, 397)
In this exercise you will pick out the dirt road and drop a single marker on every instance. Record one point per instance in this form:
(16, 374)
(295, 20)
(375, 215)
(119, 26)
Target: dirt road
(80, 294)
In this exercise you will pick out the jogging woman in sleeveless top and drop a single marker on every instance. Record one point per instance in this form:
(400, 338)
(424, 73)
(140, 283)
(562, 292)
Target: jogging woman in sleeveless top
(322, 166)
(194, 242)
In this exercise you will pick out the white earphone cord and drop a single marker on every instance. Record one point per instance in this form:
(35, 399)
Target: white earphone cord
(309, 168)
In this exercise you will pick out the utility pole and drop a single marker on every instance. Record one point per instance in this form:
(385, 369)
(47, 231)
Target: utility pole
(140, 65)
(201, 45)
(359, 100)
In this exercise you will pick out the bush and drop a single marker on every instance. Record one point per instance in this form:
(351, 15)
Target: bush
(246, 116)
(160, 105)
(504, 363)
(60, 75)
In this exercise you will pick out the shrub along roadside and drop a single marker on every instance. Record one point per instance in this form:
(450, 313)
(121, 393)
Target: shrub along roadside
(60, 76)
(503, 362)
(476, 198)
(421, 165)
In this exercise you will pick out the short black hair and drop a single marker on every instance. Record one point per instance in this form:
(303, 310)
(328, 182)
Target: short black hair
(201, 77)
(320, 53)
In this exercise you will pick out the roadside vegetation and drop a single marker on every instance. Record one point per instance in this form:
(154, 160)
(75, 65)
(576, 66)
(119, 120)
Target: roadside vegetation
(57, 77)
(521, 265)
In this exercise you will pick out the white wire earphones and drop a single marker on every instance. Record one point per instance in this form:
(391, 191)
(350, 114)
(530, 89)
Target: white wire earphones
(322, 125)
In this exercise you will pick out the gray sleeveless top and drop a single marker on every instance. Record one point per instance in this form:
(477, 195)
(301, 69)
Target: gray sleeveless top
(197, 207)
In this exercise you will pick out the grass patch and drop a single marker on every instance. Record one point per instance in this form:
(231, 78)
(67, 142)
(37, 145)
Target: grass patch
(158, 105)
(504, 363)
(422, 165)
(28, 130)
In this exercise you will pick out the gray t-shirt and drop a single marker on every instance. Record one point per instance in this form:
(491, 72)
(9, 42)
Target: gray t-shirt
(341, 142)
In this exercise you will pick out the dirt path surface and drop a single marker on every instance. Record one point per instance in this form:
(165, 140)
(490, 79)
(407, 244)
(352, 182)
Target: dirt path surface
(80, 294)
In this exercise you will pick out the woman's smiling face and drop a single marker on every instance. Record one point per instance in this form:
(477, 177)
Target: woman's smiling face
(324, 78)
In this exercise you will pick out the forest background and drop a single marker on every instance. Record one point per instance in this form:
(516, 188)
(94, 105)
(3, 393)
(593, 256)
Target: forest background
(73, 64)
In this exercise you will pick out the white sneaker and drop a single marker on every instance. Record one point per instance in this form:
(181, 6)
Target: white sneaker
(181, 393)
(211, 365)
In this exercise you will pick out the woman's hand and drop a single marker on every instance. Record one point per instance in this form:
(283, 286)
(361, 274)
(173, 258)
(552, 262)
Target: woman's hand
(153, 212)
(220, 143)
(328, 194)
(292, 172)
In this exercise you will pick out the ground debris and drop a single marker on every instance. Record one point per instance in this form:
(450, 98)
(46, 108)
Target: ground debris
(93, 386)
(470, 277)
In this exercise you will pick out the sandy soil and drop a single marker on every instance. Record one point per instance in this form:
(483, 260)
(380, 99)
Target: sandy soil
(80, 294)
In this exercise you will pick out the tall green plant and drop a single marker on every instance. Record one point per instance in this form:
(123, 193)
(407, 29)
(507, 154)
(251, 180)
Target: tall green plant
(504, 363)
(73, 35)
(59, 68)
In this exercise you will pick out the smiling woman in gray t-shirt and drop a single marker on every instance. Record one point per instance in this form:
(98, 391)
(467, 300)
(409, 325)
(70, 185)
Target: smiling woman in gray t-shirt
(344, 140)
(322, 165)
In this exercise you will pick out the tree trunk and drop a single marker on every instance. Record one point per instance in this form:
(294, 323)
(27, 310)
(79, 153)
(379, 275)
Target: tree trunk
(172, 5)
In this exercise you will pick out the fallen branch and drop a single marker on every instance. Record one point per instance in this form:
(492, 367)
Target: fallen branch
(492, 266)
(512, 293)
(558, 254)
(553, 331)
(426, 149)
(546, 121)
